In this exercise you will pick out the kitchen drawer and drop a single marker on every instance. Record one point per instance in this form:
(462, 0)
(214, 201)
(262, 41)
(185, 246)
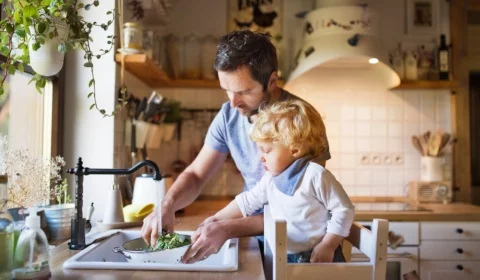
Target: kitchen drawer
(450, 250)
(409, 231)
(451, 270)
(450, 231)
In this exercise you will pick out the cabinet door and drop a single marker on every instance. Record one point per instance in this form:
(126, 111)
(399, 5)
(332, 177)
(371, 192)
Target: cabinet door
(449, 270)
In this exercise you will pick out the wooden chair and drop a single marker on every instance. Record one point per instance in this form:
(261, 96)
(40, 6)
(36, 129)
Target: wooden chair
(372, 243)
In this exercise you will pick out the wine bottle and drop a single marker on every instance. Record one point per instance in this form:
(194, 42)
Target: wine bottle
(443, 59)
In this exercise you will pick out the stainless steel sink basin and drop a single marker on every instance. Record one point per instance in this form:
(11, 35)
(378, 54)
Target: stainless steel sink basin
(102, 256)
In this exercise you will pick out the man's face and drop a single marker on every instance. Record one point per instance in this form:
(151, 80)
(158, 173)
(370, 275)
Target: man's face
(244, 92)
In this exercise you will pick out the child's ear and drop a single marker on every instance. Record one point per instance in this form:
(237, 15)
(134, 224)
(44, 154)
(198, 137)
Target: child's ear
(296, 153)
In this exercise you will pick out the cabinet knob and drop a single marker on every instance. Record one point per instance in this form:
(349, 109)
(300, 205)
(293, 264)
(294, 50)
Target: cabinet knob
(460, 250)
(459, 230)
(459, 267)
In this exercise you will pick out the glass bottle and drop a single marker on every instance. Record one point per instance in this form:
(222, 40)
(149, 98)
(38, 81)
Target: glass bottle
(209, 50)
(6, 234)
(191, 57)
(443, 59)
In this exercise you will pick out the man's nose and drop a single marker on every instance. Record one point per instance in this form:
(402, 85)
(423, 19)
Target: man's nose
(234, 100)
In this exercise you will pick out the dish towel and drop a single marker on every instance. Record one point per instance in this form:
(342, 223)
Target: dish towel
(135, 212)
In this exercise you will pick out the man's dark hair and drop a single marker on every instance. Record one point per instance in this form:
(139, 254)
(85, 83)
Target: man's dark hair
(247, 48)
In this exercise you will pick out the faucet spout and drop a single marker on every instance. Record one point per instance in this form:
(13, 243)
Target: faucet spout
(77, 241)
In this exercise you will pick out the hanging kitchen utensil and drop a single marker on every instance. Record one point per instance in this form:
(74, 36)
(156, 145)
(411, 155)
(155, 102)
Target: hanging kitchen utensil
(179, 165)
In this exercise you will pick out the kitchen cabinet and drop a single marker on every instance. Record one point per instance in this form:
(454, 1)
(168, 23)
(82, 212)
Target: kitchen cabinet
(450, 250)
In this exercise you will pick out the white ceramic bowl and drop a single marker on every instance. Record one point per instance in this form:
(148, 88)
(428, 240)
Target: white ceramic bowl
(135, 251)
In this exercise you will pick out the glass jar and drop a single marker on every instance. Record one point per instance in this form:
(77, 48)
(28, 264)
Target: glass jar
(209, 51)
(6, 233)
(174, 51)
(132, 37)
(191, 57)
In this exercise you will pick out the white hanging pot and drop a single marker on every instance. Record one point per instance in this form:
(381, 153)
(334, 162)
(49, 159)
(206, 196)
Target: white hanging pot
(47, 60)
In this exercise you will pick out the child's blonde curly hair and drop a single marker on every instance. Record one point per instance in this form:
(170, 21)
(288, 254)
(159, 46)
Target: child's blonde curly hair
(294, 124)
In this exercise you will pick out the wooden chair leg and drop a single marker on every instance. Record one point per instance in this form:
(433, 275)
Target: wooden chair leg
(347, 250)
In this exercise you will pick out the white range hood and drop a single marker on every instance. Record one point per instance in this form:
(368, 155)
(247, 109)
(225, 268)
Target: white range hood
(341, 50)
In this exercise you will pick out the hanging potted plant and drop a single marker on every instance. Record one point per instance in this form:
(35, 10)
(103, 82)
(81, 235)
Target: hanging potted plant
(38, 33)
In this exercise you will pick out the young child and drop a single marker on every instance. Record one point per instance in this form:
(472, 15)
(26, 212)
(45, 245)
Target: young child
(296, 188)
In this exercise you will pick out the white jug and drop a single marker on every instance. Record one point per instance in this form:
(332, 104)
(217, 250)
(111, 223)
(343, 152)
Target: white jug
(147, 190)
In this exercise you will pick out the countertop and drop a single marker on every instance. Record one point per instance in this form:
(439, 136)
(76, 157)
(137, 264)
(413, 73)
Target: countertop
(250, 264)
(438, 212)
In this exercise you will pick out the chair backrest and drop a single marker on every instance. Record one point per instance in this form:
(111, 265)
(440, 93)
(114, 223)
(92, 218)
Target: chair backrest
(373, 243)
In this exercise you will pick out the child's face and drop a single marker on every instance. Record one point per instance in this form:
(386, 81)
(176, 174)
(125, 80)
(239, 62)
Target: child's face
(275, 157)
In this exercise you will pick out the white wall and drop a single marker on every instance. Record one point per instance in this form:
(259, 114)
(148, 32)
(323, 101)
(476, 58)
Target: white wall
(87, 133)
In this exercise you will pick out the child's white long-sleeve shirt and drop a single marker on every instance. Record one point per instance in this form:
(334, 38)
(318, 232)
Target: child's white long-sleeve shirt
(306, 210)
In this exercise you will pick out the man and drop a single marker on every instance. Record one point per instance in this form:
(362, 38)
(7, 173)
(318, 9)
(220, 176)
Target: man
(247, 66)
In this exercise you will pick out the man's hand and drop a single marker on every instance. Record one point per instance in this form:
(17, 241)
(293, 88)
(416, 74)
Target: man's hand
(207, 240)
(322, 253)
(153, 225)
(208, 220)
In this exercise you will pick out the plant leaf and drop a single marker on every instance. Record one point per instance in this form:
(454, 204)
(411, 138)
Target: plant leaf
(20, 67)
(2, 91)
(91, 82)
(29, 12)
(102, 112)
(91, 106)
(90, 94)
(11, 70)
(41, 27)
(88, 64)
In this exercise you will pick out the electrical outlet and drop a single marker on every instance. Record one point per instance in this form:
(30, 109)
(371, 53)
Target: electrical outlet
(364, 159)
(397, 159)
(387, 159)
(376, 159)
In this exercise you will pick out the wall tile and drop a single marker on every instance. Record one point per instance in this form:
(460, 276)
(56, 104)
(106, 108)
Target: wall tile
(379, 113)
(347, 161)
(347, 145)
(363, 129)
(363, 145)
(395, 112)
(363, 113)
(348, 113)
(347, 129)
(379, 129)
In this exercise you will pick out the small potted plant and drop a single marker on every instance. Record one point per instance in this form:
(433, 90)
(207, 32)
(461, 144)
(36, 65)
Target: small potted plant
(38, 33)
(30, 181)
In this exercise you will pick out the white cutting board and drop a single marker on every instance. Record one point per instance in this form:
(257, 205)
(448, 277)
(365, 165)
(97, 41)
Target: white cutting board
(101, 256)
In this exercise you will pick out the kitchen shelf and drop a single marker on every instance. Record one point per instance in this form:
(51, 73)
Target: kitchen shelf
(151, 74)
(427, 85)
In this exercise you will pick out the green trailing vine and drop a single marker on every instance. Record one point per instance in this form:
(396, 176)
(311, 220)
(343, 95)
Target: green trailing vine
(39, 20)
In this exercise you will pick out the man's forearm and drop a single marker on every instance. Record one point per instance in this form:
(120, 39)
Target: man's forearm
(247, 226)
(183, 192)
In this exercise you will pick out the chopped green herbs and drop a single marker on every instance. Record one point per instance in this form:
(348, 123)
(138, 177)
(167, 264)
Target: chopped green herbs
(170, 241)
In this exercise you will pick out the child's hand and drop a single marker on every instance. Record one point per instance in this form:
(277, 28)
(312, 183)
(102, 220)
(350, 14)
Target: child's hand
(322, 253)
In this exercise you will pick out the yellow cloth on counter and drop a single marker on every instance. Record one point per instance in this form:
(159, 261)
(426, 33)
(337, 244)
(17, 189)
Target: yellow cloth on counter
(135, 212)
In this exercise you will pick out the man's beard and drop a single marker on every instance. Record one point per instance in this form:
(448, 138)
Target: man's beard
(265, 100)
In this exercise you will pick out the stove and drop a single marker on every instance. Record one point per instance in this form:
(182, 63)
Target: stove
(389, 206)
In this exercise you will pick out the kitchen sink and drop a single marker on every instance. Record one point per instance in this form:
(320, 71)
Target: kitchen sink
(102, 256)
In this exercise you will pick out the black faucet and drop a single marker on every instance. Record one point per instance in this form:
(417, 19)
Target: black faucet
(77, 237)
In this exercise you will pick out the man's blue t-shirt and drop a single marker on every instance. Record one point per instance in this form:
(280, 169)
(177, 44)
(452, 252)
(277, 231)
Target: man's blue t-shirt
(228, 133)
